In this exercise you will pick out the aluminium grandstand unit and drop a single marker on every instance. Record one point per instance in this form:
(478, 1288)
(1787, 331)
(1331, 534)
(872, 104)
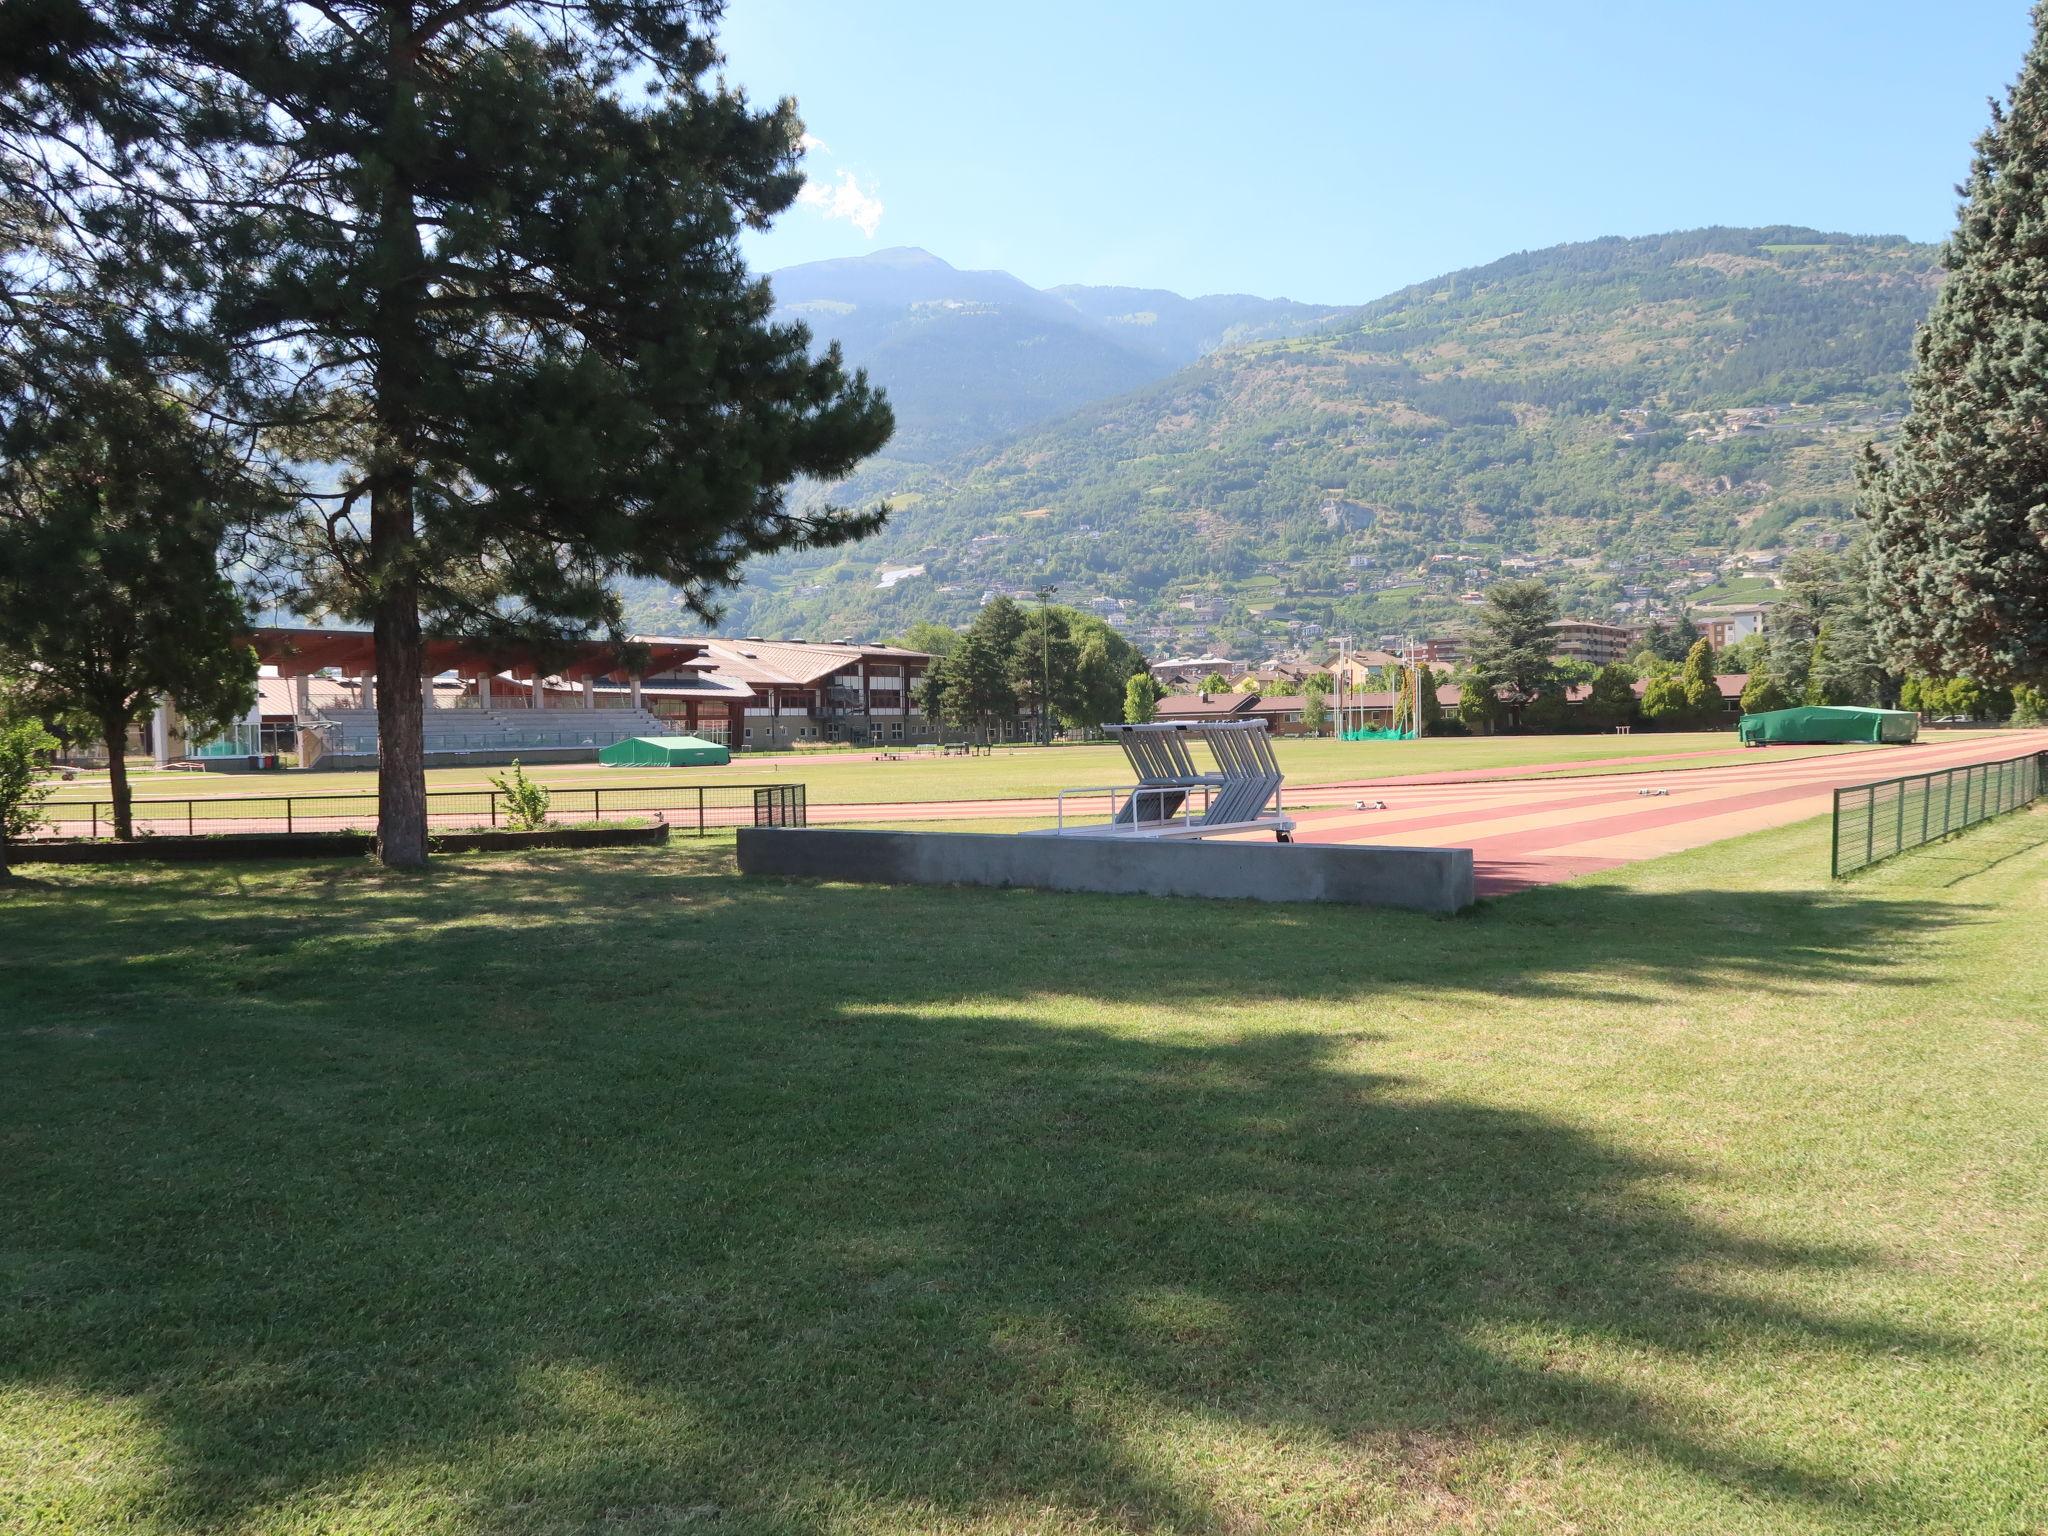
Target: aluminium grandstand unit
(1175, 798)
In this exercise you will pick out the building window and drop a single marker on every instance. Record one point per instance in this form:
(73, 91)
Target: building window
(896, 731)
(748, 734)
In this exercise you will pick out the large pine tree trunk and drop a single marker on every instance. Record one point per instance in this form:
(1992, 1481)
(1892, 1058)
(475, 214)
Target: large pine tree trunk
(401, 763)
(116, 737)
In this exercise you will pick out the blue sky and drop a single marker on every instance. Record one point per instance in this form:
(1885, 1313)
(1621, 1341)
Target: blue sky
(1336, 152)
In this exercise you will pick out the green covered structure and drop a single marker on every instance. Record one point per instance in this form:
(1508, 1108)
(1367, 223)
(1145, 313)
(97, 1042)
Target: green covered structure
(1829, 722)
(664, 752)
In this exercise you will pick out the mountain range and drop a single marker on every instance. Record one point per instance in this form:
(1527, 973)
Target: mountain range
(968, 357)
(1626, 417)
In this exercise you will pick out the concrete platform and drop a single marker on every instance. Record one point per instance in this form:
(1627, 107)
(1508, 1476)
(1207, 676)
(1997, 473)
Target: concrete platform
(1421, 879)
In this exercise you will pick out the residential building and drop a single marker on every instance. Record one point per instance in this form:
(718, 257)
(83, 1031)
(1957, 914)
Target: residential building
(1725, 626)
(1590, 641)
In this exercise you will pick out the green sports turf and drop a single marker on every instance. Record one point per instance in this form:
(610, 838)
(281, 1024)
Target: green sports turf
(615, 1194)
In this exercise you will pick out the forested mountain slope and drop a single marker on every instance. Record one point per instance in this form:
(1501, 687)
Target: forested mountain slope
(1620, 412)
(970, 357)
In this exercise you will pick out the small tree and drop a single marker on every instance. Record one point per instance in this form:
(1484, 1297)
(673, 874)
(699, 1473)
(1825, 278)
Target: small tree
(1141, 699)
(1478, 705)
(1664, 699)
(1315, 714)
(1215, 682)
(24, 744)
(1702, 691)
(111, 594)
(2029, 705)
(1432, 706)
(1612, 698)
(526, 803)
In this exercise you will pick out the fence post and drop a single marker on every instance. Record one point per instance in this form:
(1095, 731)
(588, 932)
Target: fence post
(1899, 844)
(188, 818)
(700, 810)
(287, 815)
(596, 804)
(1869, 824)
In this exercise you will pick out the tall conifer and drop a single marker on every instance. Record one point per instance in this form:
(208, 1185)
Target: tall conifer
(1959, 512)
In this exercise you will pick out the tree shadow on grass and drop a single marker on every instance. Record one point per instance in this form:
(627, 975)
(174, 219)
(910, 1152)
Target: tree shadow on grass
(619, 1194)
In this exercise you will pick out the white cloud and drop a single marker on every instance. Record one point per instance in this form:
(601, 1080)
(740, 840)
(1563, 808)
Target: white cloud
(809, 142)
(845, 199)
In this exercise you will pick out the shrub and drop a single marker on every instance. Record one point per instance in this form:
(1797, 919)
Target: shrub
(526, 803)
(23, 746)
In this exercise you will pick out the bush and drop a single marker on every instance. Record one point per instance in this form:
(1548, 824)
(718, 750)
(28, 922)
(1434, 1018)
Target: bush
(526, 803)
(24, 744)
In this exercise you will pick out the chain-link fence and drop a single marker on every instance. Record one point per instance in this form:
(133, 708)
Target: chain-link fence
(1875, 821)
(697, 808)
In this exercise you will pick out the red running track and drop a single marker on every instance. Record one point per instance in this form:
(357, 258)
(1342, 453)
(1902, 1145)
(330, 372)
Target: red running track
(1534, 832)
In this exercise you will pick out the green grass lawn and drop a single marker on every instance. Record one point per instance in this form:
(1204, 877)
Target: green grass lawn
(614, 1194)
(1017, 773)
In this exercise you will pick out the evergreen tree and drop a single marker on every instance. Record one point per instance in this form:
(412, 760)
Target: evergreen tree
(1511, 647)
(1959, 537)
(1612, 700)
(479, 261)
(972, 689)
(1432, 706)
(111, 593)
(1664, 699)
(1702, 693)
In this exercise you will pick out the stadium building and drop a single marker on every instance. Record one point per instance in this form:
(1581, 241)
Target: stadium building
(317, 698)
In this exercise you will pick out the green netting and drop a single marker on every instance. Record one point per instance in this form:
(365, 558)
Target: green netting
(663, 752)
(1830, 722)
(1374, 733)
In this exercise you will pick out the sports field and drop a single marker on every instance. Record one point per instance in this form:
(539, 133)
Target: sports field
(860, 778)
(613, 1194)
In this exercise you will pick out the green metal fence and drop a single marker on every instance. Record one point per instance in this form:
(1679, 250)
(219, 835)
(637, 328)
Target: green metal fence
(1875, 821)
(685, 807)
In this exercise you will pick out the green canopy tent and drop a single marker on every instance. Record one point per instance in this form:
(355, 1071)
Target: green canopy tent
(663, 752)
(1829, 722)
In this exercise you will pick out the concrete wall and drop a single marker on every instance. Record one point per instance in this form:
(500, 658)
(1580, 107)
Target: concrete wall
(1427, 879)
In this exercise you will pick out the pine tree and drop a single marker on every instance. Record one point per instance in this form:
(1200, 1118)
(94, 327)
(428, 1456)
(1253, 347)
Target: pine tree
(113, 506)
(1511, 648)
(1959, 511)
(479, 262)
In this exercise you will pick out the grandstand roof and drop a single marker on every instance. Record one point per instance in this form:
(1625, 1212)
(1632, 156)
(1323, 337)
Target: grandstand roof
(297, 651)
(782, 663)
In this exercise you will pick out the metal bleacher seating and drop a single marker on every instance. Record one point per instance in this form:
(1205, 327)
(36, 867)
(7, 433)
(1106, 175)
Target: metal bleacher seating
(353, 732)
